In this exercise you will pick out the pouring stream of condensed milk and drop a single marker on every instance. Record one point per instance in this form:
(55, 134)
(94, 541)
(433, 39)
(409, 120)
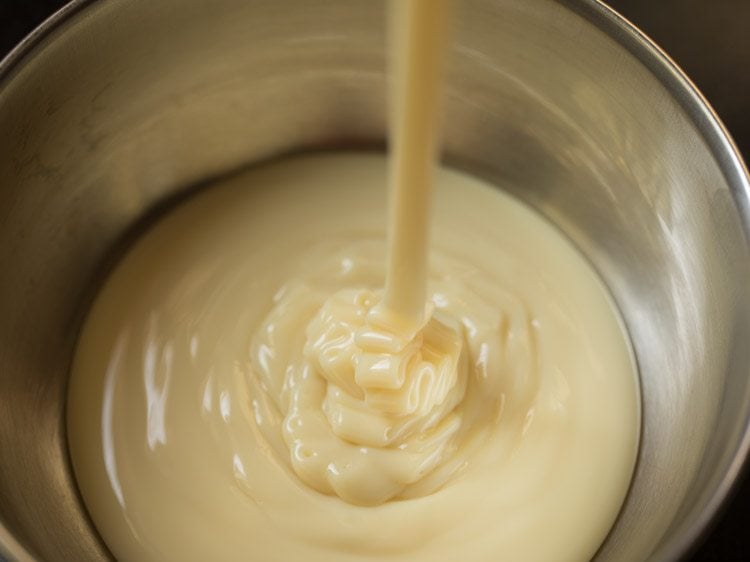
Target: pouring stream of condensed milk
(265, 377)
(391, 367)
(418, 45)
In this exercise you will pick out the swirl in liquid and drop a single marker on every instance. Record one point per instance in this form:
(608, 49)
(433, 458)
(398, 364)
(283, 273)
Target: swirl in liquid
(371, 415)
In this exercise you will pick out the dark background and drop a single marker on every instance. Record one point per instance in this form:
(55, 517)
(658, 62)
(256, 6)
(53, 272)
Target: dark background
(710, 40)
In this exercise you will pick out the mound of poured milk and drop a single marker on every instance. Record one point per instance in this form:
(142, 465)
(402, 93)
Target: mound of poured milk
(390, 401)
(237, 393)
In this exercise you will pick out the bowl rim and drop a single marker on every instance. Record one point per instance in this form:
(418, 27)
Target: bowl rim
(692, 102)
(735, 172)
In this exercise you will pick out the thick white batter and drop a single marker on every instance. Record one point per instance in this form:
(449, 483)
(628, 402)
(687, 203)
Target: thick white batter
(215, 412)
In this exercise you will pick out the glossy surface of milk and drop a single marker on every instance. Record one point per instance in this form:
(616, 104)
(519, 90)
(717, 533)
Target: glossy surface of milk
(207, 416)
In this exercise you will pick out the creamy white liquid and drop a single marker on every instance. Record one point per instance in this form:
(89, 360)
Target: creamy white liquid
(260, 380)
(199, 400)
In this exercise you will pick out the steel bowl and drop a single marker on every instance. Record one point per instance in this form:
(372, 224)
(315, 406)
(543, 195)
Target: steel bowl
(113, 108)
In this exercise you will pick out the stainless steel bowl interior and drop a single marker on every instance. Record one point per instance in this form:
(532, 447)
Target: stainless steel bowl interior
(117, 105)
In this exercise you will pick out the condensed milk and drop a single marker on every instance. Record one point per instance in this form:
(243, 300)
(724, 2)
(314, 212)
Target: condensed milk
(270, 375)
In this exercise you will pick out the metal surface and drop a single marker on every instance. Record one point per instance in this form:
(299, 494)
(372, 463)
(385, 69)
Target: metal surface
(115, 106)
